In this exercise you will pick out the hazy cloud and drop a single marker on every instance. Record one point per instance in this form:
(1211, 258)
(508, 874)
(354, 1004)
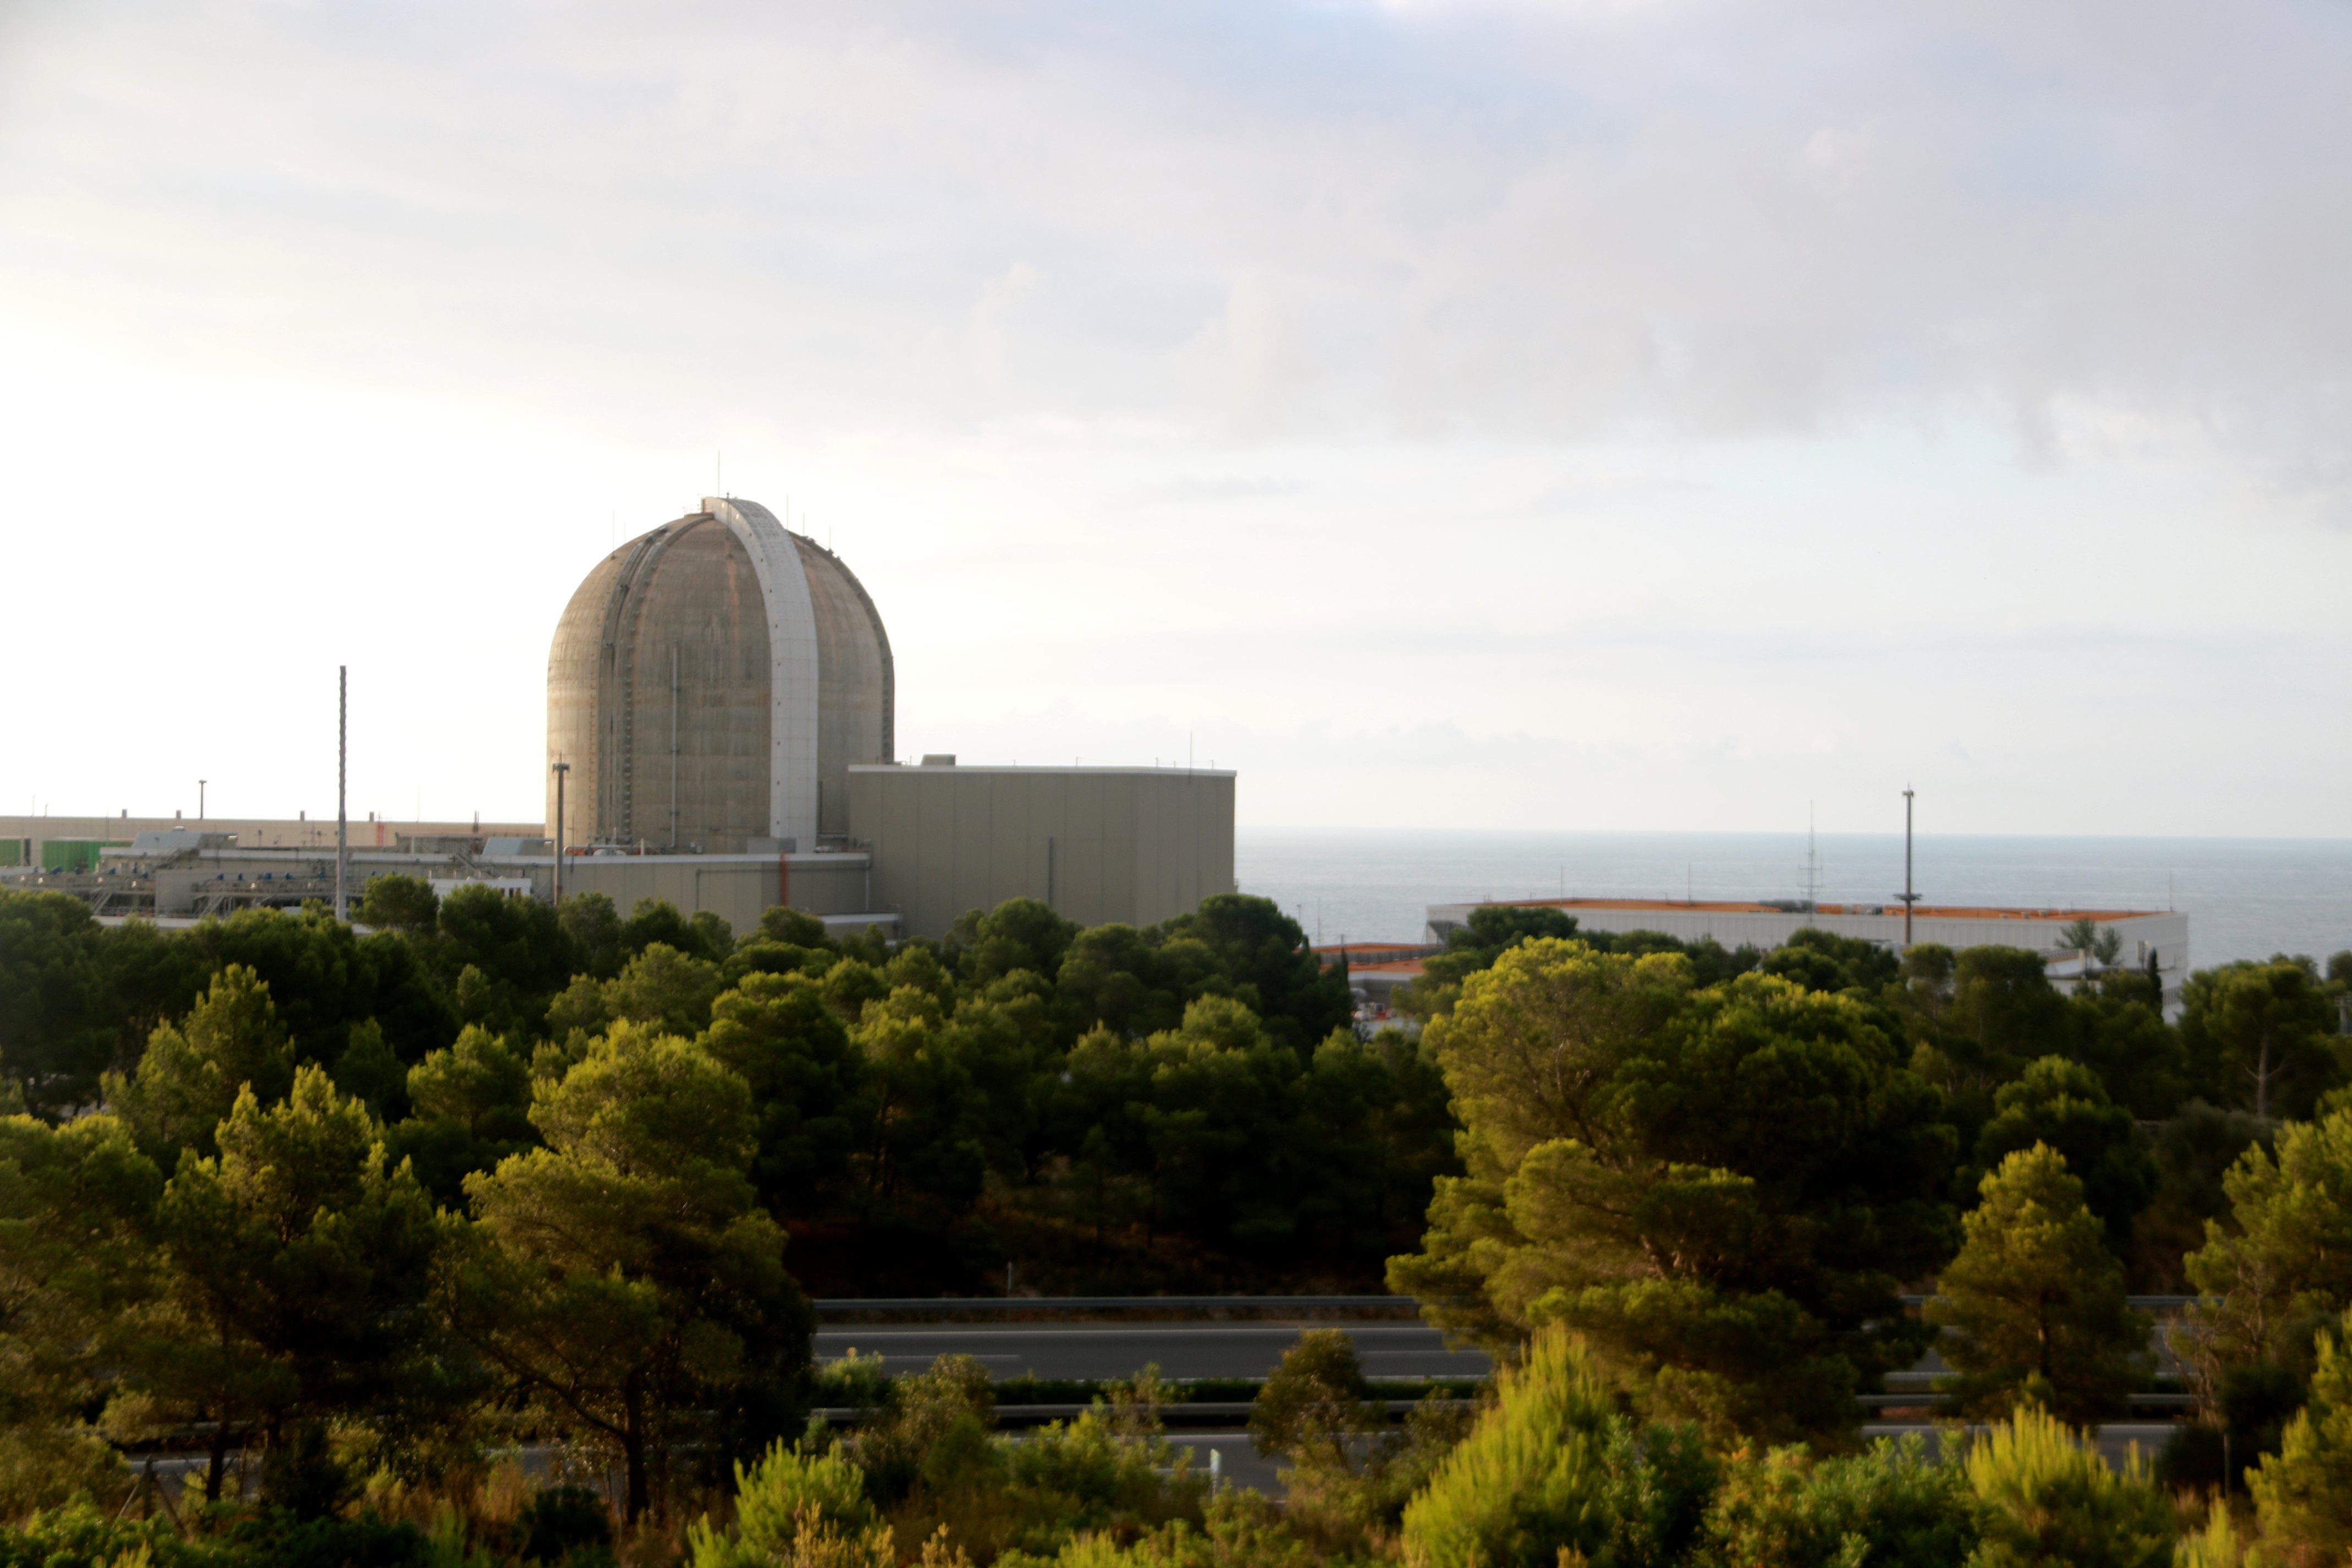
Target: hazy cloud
(1562, 370)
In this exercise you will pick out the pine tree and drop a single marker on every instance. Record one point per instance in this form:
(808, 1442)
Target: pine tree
(2303, 1492)
(624, 1277)
(2034, 1302)
(297, 1265)
(189, 1079)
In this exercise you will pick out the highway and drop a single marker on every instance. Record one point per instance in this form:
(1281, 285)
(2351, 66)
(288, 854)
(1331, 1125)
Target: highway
(1183, 1349)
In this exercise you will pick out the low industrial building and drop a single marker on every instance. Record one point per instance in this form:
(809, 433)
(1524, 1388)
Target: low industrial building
(76, 842)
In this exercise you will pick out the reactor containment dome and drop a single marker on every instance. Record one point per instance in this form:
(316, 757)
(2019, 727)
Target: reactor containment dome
(710, 686)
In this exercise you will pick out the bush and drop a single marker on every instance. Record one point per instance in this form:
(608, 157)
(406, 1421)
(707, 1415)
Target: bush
(48, 1469)
(1552, 1470)
(2216, 1545)
(773, 1497)
(79, 1536)
(2303, 1492)
(800, 1508)
(1241, 1530)
(2048, 1498)
(561, 1520)
(1889, 1507)
(1316, 1408)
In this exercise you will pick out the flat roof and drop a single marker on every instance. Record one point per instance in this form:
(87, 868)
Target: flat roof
(1891, 909)
(1047, 768)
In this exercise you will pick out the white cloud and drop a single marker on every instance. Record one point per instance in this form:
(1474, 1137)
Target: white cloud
(1619, 382)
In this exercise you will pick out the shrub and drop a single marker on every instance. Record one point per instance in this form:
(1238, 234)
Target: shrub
(2048, 1498)
(771, 1495)
(1553, 1469)
(1889, 1507)
(79, 1536)
(564, 1519)
(2303, 1492)
(2215, 1546)
(1315, 1409)
(1241, 1530)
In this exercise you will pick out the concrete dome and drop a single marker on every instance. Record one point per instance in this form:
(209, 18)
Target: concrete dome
(711, 683)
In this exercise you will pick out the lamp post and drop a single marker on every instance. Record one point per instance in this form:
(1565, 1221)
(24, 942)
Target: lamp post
(561, 769)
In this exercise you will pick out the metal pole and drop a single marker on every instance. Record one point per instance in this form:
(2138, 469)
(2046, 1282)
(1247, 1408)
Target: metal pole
(342, 781)
(1908, 896)
(561, 769)
(200, 798)
(673, 748)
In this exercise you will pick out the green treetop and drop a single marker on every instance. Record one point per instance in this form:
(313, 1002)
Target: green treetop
(1722, 1189)
(192, 1074)
(2034, 1302)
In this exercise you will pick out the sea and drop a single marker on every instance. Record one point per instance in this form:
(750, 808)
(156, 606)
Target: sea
(2245, 898)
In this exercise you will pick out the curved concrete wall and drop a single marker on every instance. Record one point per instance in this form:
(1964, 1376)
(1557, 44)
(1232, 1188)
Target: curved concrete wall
(710, 682)
(857, 684)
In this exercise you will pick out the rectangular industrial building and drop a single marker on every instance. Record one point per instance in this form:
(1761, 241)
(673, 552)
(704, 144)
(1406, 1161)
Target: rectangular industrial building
(1100, 845)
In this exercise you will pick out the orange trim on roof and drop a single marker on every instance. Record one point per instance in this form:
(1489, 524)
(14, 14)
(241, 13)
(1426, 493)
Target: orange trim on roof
(1890, 909)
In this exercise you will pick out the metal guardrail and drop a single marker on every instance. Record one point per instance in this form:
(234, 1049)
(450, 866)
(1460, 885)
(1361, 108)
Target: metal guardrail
(1176, 1414)
(998, 1306)
(2145, 1304)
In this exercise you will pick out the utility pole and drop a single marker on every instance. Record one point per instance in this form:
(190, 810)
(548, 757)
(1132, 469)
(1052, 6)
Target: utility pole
(561, 769)
(1909, 898)
(343, 781)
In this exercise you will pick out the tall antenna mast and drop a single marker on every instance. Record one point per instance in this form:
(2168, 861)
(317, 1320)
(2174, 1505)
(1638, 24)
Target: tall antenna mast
(342, 779)
(1909, 898)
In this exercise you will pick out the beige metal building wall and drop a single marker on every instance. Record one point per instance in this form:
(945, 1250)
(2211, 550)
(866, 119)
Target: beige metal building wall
(1132, 845)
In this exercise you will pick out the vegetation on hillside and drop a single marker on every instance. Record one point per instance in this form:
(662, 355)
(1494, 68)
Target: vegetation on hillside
(354, 1214)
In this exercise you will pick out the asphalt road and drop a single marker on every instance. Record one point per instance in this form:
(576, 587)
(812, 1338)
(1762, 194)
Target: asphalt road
(1183, 1349)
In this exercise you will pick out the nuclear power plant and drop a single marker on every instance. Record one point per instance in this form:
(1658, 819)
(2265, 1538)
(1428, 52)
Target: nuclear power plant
(721, 732)
(710, 685)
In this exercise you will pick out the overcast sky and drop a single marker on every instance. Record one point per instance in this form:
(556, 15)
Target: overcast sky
(1658, 414)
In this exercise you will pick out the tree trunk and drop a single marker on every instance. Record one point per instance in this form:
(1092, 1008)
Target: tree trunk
(218, 1458)
(633, 1454)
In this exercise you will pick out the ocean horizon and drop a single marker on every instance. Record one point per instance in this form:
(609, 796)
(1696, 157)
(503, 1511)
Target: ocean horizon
(2245, 898)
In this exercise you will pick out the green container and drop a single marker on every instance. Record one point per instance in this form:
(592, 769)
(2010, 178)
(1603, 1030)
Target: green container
(74, 854)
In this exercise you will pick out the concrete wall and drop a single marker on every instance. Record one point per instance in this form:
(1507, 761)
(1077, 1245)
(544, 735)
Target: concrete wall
(709, 682)
(1133, 845)
(856, 682)
(657, 694)
(738, 888)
